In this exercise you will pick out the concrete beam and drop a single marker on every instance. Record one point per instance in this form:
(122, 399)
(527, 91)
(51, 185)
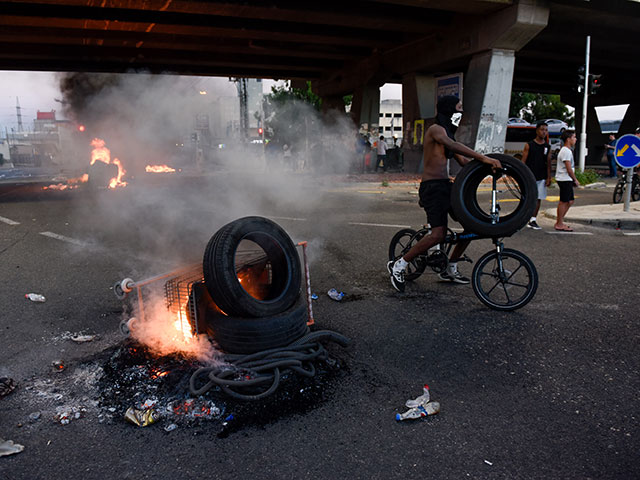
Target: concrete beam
(509, 29)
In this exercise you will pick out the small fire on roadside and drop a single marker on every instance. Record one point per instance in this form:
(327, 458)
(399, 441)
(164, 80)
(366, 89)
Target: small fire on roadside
(103, 154)
(71, 183)
(159, 169)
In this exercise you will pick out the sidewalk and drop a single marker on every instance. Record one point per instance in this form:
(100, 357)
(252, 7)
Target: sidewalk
(604, 215)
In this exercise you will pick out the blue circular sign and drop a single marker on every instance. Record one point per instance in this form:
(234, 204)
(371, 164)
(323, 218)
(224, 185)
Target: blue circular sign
(627, 151)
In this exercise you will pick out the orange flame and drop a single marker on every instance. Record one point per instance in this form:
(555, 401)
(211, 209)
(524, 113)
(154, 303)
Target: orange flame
(159, 169)
(71, 183)
(103, 154)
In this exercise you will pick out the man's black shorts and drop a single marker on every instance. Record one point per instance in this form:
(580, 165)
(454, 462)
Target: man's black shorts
(435, 198)
(566, 190)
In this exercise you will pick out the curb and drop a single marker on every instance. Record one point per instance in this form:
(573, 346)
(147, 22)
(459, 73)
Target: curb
(617, 223)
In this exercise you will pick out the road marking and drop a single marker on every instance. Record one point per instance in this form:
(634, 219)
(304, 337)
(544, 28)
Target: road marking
(64, 239)
(8, 221)
(291, 218)
(379, 225)
(569, 233)
(370, 191)
(630, 234)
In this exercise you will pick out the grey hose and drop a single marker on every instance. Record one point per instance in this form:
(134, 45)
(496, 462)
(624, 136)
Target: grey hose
(263, 368)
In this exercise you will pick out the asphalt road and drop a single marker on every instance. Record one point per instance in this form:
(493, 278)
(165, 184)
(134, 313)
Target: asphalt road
(548, 391)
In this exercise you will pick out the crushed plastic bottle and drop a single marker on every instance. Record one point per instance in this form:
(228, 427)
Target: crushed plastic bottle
(335, 295)
(420, 411)
(35, 297)
(421, 400)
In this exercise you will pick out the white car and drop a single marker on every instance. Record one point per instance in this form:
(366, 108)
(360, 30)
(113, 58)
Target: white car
(517, 121)
(556, 126)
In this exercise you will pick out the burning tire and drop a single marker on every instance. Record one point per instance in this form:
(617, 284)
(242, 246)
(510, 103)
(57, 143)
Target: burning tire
(250, 335)
(518, 183)
(251, 268)
(100, 174)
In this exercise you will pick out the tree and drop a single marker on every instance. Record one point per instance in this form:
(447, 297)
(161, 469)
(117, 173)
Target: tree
(538, 106)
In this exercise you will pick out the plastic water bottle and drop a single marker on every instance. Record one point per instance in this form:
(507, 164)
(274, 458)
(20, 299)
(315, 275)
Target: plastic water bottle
(420, 411)
(421, 400)
(35, 297)
(335, 295)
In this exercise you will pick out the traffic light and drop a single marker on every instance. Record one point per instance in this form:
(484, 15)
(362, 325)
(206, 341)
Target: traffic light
(260, 131)
(581, 79)
(594, 83)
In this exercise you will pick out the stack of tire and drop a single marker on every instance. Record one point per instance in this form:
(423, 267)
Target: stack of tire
(248, 324)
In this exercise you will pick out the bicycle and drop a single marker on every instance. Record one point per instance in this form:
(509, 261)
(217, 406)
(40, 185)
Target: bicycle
(618, 191)
(503, 279)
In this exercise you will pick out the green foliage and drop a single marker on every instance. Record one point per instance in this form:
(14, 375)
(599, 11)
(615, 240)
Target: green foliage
(385, 183)
(587, 177)
(538, 106)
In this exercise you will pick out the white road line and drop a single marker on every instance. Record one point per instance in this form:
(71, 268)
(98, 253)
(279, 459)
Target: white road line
(569, 233)
(290, 218)
(630, 234)
(64, 239)
(8, 221)
(379, 225)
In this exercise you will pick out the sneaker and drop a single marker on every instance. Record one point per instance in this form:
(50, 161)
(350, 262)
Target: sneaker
(453, 275)
(534, 225)
(397, 278)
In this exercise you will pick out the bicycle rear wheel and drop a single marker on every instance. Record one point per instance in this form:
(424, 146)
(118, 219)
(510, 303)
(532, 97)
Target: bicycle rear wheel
(505, 281)
(618, 191)
(400, 244)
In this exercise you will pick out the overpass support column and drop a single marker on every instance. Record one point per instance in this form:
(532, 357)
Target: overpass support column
(486, 98)
(418, 103)
(365, 106)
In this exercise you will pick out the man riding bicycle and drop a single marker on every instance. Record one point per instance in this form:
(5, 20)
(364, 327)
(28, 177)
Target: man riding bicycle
(435, 189)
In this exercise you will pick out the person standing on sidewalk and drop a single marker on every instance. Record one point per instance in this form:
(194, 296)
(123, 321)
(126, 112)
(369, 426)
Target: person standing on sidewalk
(566, 179)
(382, 154)
(537, 156)
(611, 146)
(435, 189)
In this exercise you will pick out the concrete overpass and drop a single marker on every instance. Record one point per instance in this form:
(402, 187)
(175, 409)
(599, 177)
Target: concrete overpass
(345, 47)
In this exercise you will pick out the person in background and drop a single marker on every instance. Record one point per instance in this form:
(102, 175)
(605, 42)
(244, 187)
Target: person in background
(537, 156)
(611, 146)
(382, 154)
(566, 179)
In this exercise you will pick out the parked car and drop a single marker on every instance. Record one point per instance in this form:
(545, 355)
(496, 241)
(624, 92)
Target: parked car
(556, 127)
(517, 121)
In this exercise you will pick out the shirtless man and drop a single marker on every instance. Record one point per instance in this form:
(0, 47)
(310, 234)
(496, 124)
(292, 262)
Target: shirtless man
(435, 189)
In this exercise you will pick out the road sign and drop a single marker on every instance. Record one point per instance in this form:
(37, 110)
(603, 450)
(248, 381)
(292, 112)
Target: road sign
(627, 151)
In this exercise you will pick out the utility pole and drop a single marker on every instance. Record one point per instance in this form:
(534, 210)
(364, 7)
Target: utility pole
(582, 148)
(19, 114)
(241, 86)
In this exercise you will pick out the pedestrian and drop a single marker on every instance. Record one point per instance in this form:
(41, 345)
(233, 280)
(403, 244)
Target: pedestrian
(435, 189)
(382, 154)
(537, 156)
(611, 146)
(286, 157)
(566, 179)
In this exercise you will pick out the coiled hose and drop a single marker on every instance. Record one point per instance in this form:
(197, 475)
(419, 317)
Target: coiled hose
(262, 369)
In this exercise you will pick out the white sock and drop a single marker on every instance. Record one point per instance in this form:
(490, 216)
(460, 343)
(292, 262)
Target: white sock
(453, 266)
(533, 219)
(400, 265)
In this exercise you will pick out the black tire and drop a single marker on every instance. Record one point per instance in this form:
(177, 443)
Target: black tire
(509, 291)
(400, 244)
(520, 184)
(618, 191)
(250, 335)
(276, 259)
(100, 174)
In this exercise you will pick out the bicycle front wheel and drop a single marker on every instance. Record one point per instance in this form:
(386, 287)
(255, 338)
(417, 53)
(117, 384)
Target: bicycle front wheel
(618, 191)
(505, 281)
